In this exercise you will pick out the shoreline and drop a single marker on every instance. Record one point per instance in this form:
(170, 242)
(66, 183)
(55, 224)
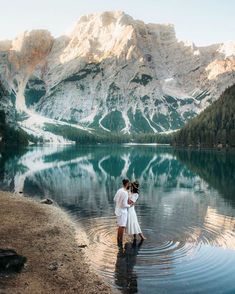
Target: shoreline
(54, 247)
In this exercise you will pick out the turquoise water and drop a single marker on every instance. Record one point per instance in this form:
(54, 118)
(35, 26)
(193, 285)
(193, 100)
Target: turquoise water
(186, 210)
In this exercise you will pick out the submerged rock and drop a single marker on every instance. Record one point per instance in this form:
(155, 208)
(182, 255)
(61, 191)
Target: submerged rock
(47, 201)
(10, 261)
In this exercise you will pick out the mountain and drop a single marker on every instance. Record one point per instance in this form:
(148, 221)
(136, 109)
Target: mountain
(113, 73)
(215, 126)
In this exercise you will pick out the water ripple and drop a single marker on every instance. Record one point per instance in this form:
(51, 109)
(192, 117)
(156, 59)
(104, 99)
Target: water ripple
(194, 255)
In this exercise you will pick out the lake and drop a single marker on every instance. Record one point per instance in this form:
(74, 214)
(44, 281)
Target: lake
(186, 210)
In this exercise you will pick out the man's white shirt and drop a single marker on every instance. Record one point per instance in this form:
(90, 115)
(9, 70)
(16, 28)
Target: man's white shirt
(121, 200)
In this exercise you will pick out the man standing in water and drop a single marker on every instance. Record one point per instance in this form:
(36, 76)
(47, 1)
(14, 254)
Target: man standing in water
(121, 201)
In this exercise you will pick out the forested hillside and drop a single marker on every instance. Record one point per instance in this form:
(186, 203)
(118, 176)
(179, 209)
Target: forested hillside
(215, 126)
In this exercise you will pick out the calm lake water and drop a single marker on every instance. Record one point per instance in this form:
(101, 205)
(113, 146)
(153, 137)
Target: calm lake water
(186, 210)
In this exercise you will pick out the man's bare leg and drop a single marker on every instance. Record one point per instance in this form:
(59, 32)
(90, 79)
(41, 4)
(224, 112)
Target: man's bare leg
(120, 234)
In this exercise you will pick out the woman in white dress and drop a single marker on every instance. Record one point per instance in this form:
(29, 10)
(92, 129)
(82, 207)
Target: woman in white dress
(133, 227)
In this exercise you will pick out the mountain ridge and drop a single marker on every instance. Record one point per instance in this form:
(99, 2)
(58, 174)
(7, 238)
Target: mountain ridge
(116, 74)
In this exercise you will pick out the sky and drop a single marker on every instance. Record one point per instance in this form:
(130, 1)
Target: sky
(203, 22)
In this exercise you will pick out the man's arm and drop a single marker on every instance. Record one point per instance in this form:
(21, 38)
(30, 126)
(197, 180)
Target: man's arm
(115, 197)
(125, 201)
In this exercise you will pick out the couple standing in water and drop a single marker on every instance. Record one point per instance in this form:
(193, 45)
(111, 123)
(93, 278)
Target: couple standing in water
(125, 200)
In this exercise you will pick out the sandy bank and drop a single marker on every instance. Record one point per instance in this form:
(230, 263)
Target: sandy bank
(47, 237)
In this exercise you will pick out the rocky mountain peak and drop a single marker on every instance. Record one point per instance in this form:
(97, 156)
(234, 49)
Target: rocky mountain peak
(29, 49)
(115, 73)
(97, 36)
(107, 18)
(32, 39)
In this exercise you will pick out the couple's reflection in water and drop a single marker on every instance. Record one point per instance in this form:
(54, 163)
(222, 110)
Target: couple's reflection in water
(125, 276)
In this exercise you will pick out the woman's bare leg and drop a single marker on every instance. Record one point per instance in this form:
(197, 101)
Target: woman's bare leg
(142, 236)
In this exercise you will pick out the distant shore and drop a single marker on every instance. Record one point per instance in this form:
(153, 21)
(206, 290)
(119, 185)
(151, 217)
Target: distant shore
(48, 238)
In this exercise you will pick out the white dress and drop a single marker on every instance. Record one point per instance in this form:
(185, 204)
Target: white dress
(133, 226)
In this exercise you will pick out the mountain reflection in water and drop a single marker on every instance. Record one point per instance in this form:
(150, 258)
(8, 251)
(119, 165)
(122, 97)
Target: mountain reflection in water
(186, 210)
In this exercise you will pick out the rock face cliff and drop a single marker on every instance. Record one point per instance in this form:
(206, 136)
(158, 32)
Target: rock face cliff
(7, 111)
(115, 73)
(10, 133)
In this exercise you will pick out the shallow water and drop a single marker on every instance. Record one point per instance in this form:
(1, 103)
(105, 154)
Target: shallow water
(186, 210)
